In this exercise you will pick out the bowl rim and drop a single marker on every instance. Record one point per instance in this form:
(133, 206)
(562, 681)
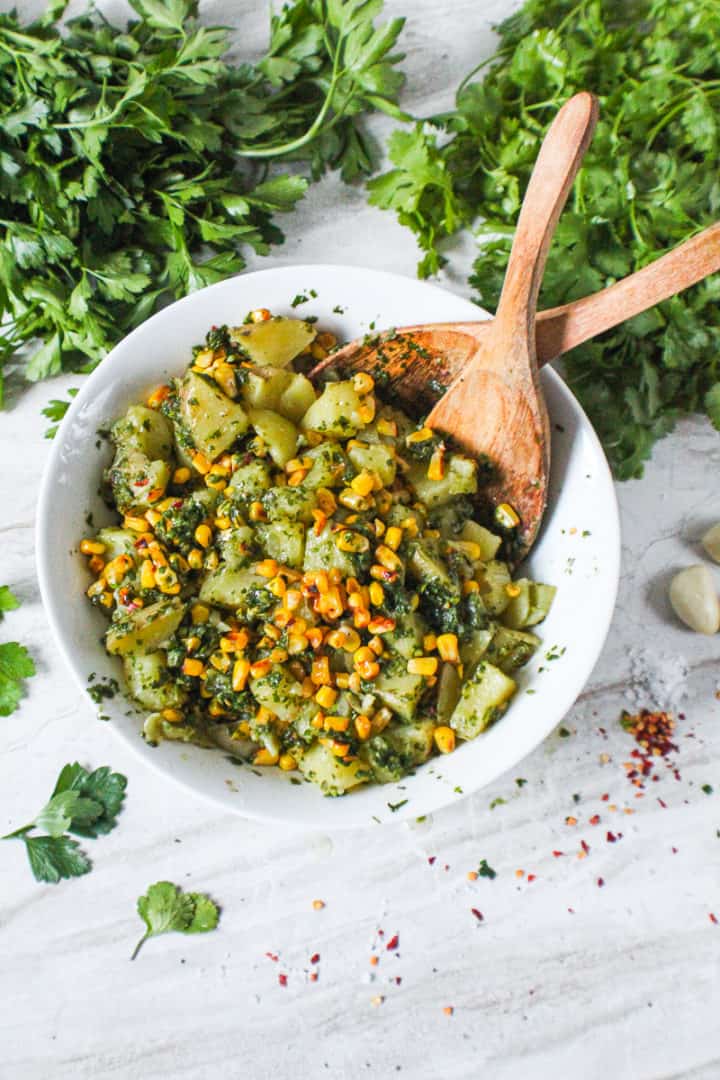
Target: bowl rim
(565, 699)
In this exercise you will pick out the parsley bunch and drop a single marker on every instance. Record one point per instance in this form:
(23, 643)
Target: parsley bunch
(137, 163)
(84, 803)
(649, 181)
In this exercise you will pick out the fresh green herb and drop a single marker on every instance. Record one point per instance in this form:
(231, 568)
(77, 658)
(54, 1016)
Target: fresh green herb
(83, 803)
(497, 802)
(520, 781)
(564, 733)
(55, 410)
(165, 908)
(486, 871)
(707, 788)
(137, 164)
(648, 182)
(8, 602)
(396, 806)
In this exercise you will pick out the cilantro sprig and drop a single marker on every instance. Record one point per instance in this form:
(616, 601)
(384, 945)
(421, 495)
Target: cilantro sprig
(137, 163)
(16, 664)
(83, 803)
(165, 908)
(648, 182)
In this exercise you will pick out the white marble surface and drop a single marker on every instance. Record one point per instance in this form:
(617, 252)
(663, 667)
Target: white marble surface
(624, 985)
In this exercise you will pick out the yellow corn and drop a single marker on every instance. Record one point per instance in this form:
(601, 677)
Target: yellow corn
(222, 522)
(211, 561)
(152, 517)
(203, 535)
(363, 382)
(410, 526)
(220, 661)
(181, 475)
(295, 479)
(279, 656)
(320, 674)
(436, 468)
(420, 436)
(257, 511)
(506, 516)
(381, 624)
(447, 645)
(387, 427)
(351, 541)
(267, 568)
(97, 587)
(157, 397)
(336, 723)
(381, 719)
(260, 314)
(422, 665)
(363, 655)
(192, 643)
(224, 376)
(215, 708)
(193, 667)
(167, 580)
(315, 636)
(195, 559)
(92, 547)
(265, 757)
(200, 462)
(297, 643)
(135, 523)
(260, 668)
(512, 589)
(204, 358)
(215, 480)
(375, 645)
(173, 716)
(444, 739)
(326, 501)
(366, 412)
(387, 557)
(393, 537)
(96, 563)
(317, 352)
(470, 587)
(363, 483)
(368, 670)
(354, 501)
(326, 697)
(429, 643)
(363, 727)
(241, 670)
(147, 575)
(117, 568)
(287, 762)
(377, 594)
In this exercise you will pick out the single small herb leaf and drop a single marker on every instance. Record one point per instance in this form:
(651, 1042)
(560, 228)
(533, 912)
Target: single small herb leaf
(166, 908)
(486, 871)
(103, 787)
(8, 602)
(16, 664)
(53, 858)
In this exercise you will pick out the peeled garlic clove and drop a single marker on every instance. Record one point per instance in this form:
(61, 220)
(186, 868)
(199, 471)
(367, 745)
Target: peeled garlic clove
(711, 542)
(694, 599)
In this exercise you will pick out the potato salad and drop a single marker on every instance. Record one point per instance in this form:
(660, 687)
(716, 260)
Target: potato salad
(303, 575)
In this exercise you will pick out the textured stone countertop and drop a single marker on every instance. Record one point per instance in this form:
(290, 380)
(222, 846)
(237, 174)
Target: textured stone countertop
(562, 977)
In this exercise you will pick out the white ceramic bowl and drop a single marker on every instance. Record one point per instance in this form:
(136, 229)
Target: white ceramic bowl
(578, 550)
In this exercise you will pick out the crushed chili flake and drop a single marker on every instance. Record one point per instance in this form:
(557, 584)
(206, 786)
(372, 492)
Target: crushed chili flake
(393, 942)
(595, 819)
(601, 882)
(519, 873)
(272, 956)
(713, 919)
(571, 820)
(313, 976)
(472, 875)
(605, 797)
(374, 961)
(282, 979)
(448, 1010)
(397, 980)
(431, 859)
(663, 804)
(315, 958)
(478, 914)
(531, 877)
(585, 847)
(611, 837)
(318, 905)
(557, 854)
(674, 850)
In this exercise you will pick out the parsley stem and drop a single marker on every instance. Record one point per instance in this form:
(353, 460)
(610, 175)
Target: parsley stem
(139, 945)
(19, 833)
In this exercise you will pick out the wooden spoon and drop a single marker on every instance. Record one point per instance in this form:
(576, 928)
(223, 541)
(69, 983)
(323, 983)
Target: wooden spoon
(557, 330)
(494, 407)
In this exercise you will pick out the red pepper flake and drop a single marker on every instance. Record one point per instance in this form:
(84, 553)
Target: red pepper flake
(315, 958)
(282, 979)
(674, 850)
(519, 873)
(595, 819)
(601, 882)
(663, 804)
(272, 956)
(313, 976)
(393, 942)
(374, 961)
(585, 847)
(478, 914)
(531, 877)
(398, 980)
(571, 820)
(605, 797)
(431, 859)
(713, 919)
(557, 854)
(571, 910)
(448, 1010)
(381, 933)
(612, 838)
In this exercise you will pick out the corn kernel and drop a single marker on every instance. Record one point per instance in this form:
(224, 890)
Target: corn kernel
(326, 697)
(363, 727)
(470, 587)
(260, 668)
(363, 383)
(260, 314)
(381, 719)
(267, 568)
(377, 594)
(224, 376)
(366, 411)
(363, 483)
(135, 523)
(200, 462)
(387, 557)
(393, 537)
(376, 645)
(278, 656)
(295, 479)
(326, 501)
(420, 436)
(192, 643)
(195, 559)
(444, 738)
(220, 661)
(181, 475)
(361, 618)
(318, 721)
(353, 501)
(436, 468)
(96, 563)
(336, 723)
(241, 670)
(327, 340)
(92, 547)
(317, 352)
(257, 512)
(447, 645)
(429, 643)
(512, 589)
(320, 674)
(152, 517)
(422, 665)
(193, 667)
(203, 535)
(147, 575)
(117, 568)
(173, 716)
(293, 599)
(215, 480)
(362, 655)
(265, 757)
(287, 762)
(354, 542)
(506, 516)
(315, 636)
(368, 670)
(387, 427)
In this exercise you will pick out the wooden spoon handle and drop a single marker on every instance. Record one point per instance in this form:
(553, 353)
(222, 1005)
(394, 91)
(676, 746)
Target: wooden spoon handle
(557, 164)
(560, 329)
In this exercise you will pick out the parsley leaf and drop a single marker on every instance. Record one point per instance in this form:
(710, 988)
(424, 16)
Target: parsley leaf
(16, 664)
(647, 183)
(55, 410)
(486, 871)
(104, 788)
(165, 908)
(8, 601)
(54, 858)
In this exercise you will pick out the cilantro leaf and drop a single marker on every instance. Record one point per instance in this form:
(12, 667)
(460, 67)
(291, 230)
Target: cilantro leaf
(53, 858)
(16, 664)
(165, 908)
(8, 601)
